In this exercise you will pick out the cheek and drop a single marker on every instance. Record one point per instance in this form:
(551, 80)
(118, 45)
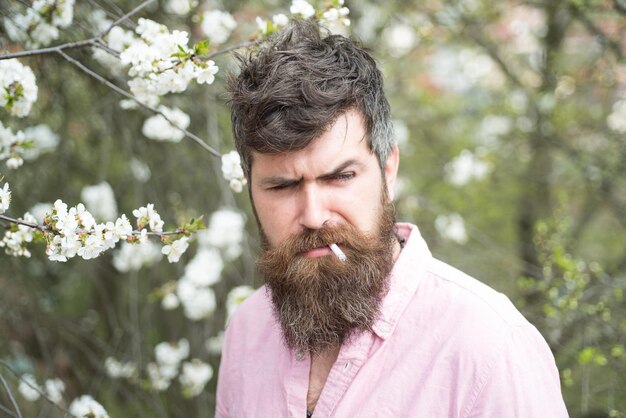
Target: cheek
(273, 218)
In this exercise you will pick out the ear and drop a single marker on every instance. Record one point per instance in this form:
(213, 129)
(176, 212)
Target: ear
(391, 171)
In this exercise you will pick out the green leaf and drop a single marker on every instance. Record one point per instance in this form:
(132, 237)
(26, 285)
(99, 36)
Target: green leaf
(201, 48)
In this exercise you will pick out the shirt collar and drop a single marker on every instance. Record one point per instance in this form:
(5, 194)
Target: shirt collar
(404, 278)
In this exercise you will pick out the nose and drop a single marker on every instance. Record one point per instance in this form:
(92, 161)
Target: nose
(314, 211)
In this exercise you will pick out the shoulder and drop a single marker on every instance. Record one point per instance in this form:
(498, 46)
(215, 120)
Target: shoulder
(469, 295)
(253, 315)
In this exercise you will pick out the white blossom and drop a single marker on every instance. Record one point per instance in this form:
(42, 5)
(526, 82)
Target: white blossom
(87, 407)
(217, 25)
(336, 19)
(171, 354)
(205, 267)
(225, 232)
(54, 389)
(141, 171)
(280, 19)
(14, 163)
(214, 344)
(170, 301)
(465, 168)
(100, 200)
(40, 24)
(194, 377)
(132, 257)
(15, 242)
(198, 302)
(180, 7)
(176, 249)
(41, 139)
(12, 146)
(236, 185)
(233, 171)
(117, 369)
(161, 375)
(617, 119)
(18, 87)
(148, 216)
(40, 210)
(302, 8)
(206, 74)
(28, 387)
(158, 128)
(235, 297)
(400, 39)
(451, 227)
(5, 198)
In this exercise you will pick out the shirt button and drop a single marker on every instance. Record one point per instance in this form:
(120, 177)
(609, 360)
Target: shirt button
(299, 355)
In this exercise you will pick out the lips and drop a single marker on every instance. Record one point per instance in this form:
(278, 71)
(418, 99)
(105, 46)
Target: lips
(316, 252)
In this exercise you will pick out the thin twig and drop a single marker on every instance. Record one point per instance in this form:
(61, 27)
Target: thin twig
(42, 228)
(123, 18)
(7, 411)
(124, 93)
(49, 50)
(93, 41)
(595, 30)
(6, 388)
(229, 49)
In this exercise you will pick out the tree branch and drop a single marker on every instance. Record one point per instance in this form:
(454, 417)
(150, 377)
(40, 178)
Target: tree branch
(41, 228)
(93, 41)
(591, 27)
(8, 391)
(124, 93)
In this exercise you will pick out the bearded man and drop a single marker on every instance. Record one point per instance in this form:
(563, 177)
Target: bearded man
(356, 318)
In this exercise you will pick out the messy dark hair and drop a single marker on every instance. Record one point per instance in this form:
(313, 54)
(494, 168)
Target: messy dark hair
(295, 85)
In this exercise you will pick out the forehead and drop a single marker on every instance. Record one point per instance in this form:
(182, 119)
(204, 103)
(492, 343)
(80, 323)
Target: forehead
(345, 139)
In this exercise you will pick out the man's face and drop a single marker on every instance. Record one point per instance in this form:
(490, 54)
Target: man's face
(330, 192)
(333, 181)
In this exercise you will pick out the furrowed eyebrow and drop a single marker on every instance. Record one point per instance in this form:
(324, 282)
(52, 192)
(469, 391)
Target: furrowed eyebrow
(274, 181)
(278, 181)
(340, 168)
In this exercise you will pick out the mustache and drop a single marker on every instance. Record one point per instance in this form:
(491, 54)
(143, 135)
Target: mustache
(345, 236)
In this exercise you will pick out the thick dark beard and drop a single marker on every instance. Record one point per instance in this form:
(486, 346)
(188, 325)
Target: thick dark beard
(322, 302)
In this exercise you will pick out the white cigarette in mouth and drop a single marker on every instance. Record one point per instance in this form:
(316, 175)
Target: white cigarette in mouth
(337, 251)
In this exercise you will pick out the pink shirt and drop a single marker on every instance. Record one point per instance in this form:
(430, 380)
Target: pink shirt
(445, 345)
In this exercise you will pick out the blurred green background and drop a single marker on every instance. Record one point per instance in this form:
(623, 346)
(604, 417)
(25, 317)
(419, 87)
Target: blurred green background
(511, 121)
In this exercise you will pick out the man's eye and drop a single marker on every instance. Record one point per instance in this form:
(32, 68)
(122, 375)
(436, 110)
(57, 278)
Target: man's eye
(344, 176)
(280, 187)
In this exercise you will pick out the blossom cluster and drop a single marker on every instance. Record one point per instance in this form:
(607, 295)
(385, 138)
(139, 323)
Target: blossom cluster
(75, 232)
(71, 232)
(220, 242)
(452, 228)
(333, 17)
(193, 375)
(16, 239)
(18, 87)
(27, 144)
(5, 198)
(159, 128)
(40, 23)
(217, 25)
(466, 167)
(161, 62)
(53, 389)
(232, 171)
(617, 118)
(180, 7)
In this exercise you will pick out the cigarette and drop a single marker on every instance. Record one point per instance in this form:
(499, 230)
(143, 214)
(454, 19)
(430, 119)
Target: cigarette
(337, 251)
